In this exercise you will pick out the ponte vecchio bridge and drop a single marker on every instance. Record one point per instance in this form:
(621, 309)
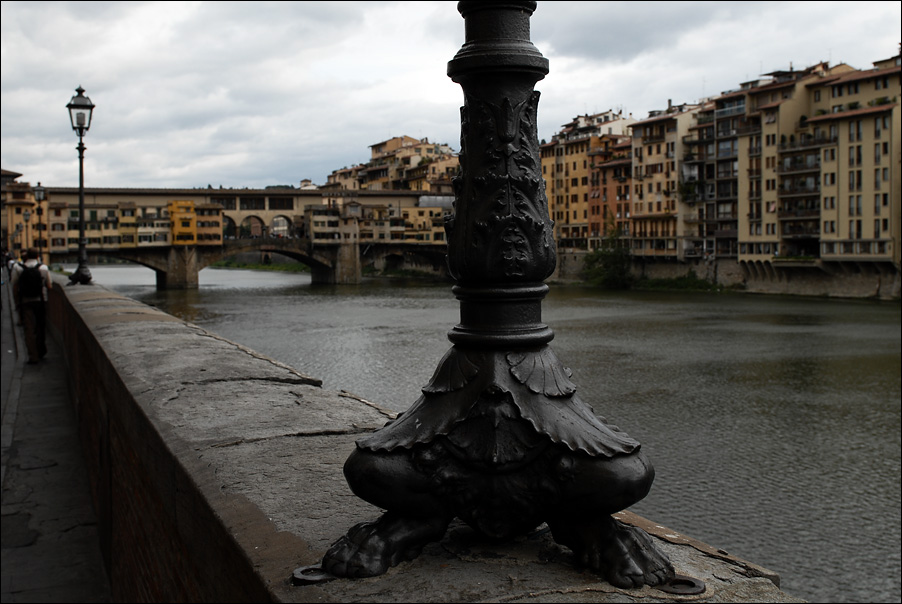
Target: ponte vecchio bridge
(179, 232)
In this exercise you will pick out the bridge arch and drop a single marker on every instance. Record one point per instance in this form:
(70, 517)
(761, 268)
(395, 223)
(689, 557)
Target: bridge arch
(410, 256)
(251, 226)
(281, 226)
(339, 263)
(229, 228)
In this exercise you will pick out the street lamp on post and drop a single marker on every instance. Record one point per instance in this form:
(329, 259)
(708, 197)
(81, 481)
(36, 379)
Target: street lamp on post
(17, 238)
(40, 194)
(26, 216)
(80, 110)
(499, 437)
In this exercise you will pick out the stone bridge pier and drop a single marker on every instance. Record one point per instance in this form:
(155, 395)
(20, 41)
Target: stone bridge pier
(181, 269)
(345, 267)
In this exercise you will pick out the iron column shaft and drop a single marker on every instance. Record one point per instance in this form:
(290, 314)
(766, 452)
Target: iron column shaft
(82, 274)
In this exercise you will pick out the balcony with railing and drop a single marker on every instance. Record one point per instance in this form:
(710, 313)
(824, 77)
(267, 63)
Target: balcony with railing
(794, 190)
(804, 230)
(729, 111)
(798, 167)
(726, 233)
(748, 130)
(806, 142)
(653, 137)
(693, 158)
(799, 211)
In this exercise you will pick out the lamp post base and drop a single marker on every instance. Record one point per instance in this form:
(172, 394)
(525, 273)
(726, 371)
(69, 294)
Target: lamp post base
(82, 275)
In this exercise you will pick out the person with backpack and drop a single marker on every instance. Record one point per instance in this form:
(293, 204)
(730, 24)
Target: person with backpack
(31, 283)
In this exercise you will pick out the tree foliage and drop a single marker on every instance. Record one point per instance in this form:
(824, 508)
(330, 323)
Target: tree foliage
(608, 267)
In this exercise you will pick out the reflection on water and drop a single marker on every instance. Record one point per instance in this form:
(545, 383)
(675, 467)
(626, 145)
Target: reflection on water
(773, 422)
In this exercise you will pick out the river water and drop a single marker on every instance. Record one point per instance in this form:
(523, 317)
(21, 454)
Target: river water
(773, 422)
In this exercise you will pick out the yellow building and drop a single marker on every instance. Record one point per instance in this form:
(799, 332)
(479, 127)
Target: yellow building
(24, 220)
(58, 223)
(424, 224)
(128, 224)
(344, 179)
(397, 164)
(434, 175)
(183, 221)
(567, 168)
(209, 223)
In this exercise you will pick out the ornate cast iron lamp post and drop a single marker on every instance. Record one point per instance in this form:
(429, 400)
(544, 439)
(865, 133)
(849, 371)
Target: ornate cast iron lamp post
(17, 238)
(40, 194)
(26, 216)
(499, 437)
(80, 110)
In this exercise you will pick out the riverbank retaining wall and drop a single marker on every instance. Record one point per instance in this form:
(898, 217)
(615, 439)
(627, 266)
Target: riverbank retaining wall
(217, 471)
(842, 280)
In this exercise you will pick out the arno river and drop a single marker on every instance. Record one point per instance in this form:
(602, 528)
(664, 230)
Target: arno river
(773, 422)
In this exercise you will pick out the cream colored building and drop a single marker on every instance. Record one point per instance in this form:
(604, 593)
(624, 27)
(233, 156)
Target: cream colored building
(826, 187)
(854, 130)
(658, 226)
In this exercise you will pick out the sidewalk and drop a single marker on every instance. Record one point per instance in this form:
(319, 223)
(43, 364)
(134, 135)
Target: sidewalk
(50, 547)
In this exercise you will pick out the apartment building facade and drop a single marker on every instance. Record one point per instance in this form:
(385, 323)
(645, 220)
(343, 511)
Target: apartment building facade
(659, 226)
(400, 163)
(566, 168)
(853, 135)
(610, 183)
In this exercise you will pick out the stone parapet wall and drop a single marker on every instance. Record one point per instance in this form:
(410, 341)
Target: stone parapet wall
(162, 521)
(217, 471)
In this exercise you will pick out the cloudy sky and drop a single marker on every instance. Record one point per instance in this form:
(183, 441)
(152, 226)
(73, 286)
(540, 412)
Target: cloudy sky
(249, 94)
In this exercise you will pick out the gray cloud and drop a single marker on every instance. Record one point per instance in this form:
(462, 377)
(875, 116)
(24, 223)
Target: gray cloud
(257, 93)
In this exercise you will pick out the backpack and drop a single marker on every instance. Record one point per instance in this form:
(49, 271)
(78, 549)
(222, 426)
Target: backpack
(31, 282)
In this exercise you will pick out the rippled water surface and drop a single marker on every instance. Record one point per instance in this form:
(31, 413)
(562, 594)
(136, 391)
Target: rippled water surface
(773, 422)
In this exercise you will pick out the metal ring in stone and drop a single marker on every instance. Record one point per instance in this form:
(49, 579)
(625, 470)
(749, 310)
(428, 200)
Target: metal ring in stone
(683, 586)
(308, 575)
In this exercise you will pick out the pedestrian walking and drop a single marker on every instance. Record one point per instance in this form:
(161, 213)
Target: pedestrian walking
(31, 285)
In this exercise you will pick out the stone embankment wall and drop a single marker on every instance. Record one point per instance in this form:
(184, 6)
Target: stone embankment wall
(216, 472)
(842, 280)
(163, 407)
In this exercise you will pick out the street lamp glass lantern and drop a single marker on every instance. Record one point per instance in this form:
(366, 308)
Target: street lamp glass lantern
(80, 110)
(39, 193)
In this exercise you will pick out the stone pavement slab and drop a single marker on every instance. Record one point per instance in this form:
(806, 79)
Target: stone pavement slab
(50, 547)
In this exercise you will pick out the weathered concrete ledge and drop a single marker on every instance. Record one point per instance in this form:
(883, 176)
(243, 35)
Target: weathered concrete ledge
(217, 471)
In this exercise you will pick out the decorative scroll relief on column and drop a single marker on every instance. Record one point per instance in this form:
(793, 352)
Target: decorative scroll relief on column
(501, 231)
